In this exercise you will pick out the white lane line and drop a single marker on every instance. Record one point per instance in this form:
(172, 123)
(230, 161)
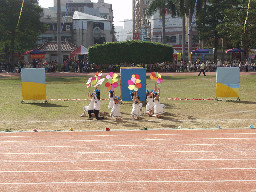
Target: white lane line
(71, 161)
(105, 160)
(154, 139)
(216, 159)
(129, 145)
(104, 135)
(119, 160)
(14, 141)
(240, 133)
(97, 152)
(231, 138)
(60, 171)
(85, 140)
(200, 144)
(192, 151)
(26, 153)
(130, 170)
(94, 152)
(57, 146)
(122, 182)
(212, 181)
(15, 136)
(166, 134)
(12, 161)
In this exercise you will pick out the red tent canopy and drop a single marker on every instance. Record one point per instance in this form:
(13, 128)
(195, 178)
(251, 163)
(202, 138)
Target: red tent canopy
(27, 52)
(79, 51)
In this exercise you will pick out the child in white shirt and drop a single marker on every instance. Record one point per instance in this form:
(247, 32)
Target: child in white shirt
(136, 107)
(115, 112)
(158, 108)
(90, 108)
(150, 103)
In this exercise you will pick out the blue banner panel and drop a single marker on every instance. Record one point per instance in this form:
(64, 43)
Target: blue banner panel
(126, 74)
(35, 75)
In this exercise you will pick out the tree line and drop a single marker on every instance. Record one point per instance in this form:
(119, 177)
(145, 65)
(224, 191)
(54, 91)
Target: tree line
(16, 38)
(130, 52)
(216, 20)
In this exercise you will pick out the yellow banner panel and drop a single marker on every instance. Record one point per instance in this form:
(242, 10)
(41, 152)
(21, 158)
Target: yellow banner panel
(33, 91)
(225, 91)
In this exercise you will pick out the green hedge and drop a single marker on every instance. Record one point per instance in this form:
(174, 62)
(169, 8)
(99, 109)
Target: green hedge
(130, 52)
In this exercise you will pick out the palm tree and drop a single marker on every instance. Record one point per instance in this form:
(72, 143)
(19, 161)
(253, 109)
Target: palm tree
(186, 8)
(180, 4)
(162, 6)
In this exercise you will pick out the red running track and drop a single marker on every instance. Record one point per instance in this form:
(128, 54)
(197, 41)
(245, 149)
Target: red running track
(162, 160)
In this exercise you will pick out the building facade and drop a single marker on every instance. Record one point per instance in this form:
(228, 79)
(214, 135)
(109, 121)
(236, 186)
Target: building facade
(124, 33)
(86, 23)
(51, 33)
(90, 30)
(150, 28)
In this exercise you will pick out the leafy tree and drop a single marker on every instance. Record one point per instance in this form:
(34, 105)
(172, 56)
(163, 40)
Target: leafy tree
(212, 15)
(130, 52)
(232, 27)
(19, 38)
(185, 8)
(162, 6)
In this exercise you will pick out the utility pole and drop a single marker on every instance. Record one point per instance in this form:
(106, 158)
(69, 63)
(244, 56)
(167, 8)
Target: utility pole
(59, 56)
(133, 16)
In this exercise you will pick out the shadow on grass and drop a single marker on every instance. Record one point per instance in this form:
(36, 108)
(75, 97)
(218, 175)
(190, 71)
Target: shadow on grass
(243, 102)
(65, 79)
(44, 104)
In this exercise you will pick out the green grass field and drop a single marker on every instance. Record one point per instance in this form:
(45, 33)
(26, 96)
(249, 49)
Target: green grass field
(63, 115)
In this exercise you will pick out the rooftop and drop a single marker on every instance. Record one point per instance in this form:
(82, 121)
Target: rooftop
(53, 46)
(83, 16)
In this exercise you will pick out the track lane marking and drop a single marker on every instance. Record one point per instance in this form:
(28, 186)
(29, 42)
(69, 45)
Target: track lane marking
(123, 182)
(121, 170)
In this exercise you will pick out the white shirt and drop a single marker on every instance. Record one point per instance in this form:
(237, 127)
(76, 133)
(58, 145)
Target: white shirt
(91, 105)
(97, 104)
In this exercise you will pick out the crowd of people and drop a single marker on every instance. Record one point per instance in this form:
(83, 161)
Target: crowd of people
(83, 66)
(183, 66)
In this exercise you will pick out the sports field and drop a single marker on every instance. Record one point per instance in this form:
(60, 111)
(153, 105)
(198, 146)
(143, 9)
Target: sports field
(63, 115)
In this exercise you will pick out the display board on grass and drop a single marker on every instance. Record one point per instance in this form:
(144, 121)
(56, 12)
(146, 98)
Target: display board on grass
(228, 80)
(33, 84)
(133, 79)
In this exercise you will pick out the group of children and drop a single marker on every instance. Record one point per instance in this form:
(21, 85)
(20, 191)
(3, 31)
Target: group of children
(153, 106)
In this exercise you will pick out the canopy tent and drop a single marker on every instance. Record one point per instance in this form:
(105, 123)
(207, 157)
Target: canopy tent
(81, 50)
(235, 53)
(37, 54)
(176, 55)
(201, 51)
(28, 52)
(175, 51)
(235, 50)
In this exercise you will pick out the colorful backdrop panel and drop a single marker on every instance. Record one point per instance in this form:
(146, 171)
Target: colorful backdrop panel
(228, 80)
(33, 84)
(126, 74)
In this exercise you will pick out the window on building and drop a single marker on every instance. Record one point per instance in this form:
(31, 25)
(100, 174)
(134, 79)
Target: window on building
(180, 39)
(67, 27)
(171, 39)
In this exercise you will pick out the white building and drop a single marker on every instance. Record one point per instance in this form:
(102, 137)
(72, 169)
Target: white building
(124, 33)
(90, 30)
(173, 31)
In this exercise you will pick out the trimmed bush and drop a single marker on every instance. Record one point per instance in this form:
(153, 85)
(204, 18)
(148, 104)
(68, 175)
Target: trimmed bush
(130, 52)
